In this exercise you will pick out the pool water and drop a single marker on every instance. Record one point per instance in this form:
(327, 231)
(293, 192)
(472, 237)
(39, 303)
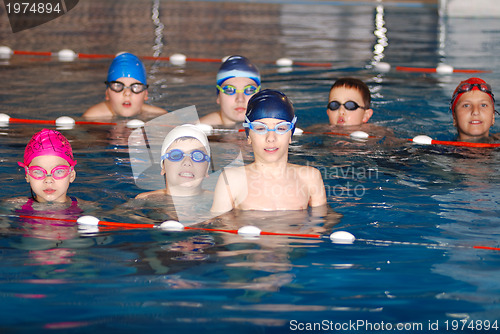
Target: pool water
(416, 211)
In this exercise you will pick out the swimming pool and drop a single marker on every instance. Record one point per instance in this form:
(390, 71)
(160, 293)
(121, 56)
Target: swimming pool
(420, 210)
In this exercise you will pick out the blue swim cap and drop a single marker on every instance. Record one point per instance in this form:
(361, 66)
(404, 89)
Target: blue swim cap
(127, 65)
(270, 103)
(238, 67)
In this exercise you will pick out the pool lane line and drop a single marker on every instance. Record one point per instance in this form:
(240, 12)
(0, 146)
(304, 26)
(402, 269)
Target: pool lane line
(338, 237)
(180, 59)
(64, 121)
(361, 135)
(436, 70)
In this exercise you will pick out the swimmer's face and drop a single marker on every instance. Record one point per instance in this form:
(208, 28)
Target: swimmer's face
(342, 116)
(184, 177)
(126, 103)
(474, 115)
(270, 147)
(50, 189)
(233, 107)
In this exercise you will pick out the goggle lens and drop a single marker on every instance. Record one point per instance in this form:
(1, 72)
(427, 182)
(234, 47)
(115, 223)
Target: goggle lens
(58, 172)
(349, 105)
(117, 86)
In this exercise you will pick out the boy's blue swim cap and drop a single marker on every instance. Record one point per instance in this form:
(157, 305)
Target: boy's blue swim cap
(270, 103)
(127, 65)
(238, 67)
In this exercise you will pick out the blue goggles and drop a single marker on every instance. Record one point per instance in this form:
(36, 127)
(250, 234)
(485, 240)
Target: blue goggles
(261, 128)
(231, 90)
(177, 155)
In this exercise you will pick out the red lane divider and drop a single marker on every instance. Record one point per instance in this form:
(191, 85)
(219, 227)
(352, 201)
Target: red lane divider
(433, 70)
(41, 121)
(464, 144)
(114, 225)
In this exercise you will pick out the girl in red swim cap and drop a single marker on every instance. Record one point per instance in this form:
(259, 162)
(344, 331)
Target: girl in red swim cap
(473, 110)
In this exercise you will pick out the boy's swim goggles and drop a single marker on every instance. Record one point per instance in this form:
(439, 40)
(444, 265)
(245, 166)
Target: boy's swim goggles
(349, 105)
(177, 155)
(117, 86)
(231, 90)
(261, 128)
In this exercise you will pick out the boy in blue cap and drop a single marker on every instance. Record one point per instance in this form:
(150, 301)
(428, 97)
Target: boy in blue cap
(126, 91)
(270, 182)
(237, 81)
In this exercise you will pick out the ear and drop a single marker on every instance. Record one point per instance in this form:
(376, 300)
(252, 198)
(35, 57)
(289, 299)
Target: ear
(107, 94)
(146, 95)
(249, 140)
(493, 120)
(218, 99)
(455, 120)
(72, 176)
(163, 172)
(27, 178)
(367, 115)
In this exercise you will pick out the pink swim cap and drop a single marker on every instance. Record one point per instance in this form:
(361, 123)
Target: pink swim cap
(48, 142)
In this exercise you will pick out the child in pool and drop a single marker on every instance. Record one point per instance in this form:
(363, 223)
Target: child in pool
(473, 110)
(349, 109)
(50, 169)
(270, 182)
(349, 102)
(126, 91)
(185, 157)
(237, 80)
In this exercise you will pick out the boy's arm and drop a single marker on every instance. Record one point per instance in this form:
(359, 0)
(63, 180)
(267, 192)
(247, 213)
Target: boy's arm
(316, 188)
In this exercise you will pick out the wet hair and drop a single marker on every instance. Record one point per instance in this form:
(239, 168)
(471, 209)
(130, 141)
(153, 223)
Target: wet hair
(356, 84)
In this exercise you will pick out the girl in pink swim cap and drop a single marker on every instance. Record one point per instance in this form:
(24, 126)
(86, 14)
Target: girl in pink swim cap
(49, 166)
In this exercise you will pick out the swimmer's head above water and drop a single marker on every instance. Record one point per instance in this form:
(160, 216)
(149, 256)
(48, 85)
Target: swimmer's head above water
(269, 104)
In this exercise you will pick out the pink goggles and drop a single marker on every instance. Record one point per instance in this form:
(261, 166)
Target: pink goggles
(39, 173)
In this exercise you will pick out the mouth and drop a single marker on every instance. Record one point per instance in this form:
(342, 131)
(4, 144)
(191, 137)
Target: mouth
(476, 122)
(49, 191)
(271, 149)
(341, 120)
(186, 175)
(241, 109)
(127, 104)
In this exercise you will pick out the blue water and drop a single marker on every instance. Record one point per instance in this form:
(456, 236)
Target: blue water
(419, 210)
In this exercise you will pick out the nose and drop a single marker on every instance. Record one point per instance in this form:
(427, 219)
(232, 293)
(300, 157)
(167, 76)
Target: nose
(127, 91)
(187, 161)
(271, 136)
(240, 96)
(48, 179)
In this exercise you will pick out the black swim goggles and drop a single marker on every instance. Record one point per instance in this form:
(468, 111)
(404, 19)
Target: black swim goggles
(177, 155)
(117, 86)
(349, 105)
(231, 90)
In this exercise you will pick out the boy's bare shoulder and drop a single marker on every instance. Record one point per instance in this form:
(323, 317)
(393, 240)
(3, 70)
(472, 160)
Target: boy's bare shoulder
(100, 110)
(152, 194)
(151, 110)
(211, 119)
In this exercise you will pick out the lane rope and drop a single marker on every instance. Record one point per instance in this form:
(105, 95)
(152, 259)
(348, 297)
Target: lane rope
(338, 237)
(180, 59)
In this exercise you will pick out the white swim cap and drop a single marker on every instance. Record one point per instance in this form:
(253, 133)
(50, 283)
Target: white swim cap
(185, 130)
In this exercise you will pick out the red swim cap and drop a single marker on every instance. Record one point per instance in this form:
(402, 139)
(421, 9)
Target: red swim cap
(468, 85)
